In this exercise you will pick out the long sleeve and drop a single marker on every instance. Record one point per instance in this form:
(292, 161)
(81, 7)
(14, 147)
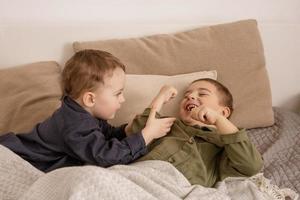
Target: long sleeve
(92, 147)
(240, 157)
(113, 132)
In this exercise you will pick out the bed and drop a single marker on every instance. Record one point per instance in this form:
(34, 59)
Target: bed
(232, 52)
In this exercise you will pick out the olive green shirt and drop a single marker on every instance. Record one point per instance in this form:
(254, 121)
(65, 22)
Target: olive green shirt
(201, 154)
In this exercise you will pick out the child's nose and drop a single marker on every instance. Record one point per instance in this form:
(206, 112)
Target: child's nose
(192, 96)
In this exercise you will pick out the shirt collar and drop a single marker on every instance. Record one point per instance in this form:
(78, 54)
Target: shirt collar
(68, 101)
(204, 128)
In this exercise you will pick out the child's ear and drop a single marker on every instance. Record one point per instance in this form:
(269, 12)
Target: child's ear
(88, 99)
(226, 111)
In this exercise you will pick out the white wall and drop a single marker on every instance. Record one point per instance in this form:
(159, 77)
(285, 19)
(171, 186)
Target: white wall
(35, 30)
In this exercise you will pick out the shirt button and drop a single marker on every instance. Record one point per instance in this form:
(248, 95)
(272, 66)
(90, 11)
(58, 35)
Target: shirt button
(191, 140)
(171, 160)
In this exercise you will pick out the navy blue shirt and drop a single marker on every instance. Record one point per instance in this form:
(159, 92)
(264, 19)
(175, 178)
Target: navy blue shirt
(71, 137)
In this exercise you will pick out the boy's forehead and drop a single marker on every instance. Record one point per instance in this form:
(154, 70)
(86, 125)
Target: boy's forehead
(199, 84)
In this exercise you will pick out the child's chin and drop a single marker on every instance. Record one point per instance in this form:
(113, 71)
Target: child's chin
(107, 117)
(111, 117)
(188, 120)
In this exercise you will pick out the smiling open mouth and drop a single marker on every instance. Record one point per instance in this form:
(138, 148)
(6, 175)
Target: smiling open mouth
(190, 107)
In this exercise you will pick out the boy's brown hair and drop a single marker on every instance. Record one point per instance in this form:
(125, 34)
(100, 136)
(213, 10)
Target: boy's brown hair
(86, 69)
(224, 94)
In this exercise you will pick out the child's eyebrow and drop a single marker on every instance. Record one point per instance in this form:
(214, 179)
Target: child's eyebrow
(119, 90)
(204, 89)
(188, 91)
(199, 89)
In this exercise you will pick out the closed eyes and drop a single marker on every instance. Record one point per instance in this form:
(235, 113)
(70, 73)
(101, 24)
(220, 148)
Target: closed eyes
(118, 94)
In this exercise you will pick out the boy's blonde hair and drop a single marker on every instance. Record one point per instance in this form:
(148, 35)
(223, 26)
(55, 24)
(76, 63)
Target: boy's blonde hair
(225, 96)
(86, 69)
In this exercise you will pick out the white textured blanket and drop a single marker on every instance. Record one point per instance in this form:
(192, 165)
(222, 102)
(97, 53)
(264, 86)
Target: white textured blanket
(143, 180)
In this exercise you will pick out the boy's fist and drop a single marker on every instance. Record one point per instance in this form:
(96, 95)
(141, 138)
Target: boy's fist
(165, 94)
(209, 116)
(205, 115)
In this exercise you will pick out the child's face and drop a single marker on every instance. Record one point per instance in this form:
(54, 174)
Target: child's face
(109, 96)
(198, 93)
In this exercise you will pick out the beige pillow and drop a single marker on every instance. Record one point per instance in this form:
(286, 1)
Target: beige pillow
(141, 89)
(28, 95)
(234, 49)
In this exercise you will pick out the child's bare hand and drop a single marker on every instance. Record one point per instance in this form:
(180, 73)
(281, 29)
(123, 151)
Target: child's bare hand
(165, 94)
(211, 117)
(205, 115)
(156, 128)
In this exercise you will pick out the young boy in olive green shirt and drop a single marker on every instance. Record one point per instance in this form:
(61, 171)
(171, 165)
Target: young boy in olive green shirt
(203, 145)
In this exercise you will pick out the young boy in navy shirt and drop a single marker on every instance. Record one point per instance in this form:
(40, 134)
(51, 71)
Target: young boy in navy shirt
(77, 133)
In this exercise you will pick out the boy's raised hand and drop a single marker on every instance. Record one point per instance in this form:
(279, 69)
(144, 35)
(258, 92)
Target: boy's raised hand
(165, 94)
(156, 128)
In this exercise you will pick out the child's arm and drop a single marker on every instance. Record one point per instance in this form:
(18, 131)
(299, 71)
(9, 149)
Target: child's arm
(90, 145)
(114, 132)
(156, 128)
(240, 157)
(88, 142)
(153, 128)
(165, 94)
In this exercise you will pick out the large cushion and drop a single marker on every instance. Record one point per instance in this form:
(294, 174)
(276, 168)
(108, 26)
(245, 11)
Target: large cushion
(235, 50)
(28, 95)
(141, 89)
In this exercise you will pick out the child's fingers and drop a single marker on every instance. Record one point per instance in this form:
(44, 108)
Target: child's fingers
(168, 122)
(175, 93)
(152, 114)
(195, 113)
(173, 96)
(168, 119)
(167, 129)
(201, 115)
